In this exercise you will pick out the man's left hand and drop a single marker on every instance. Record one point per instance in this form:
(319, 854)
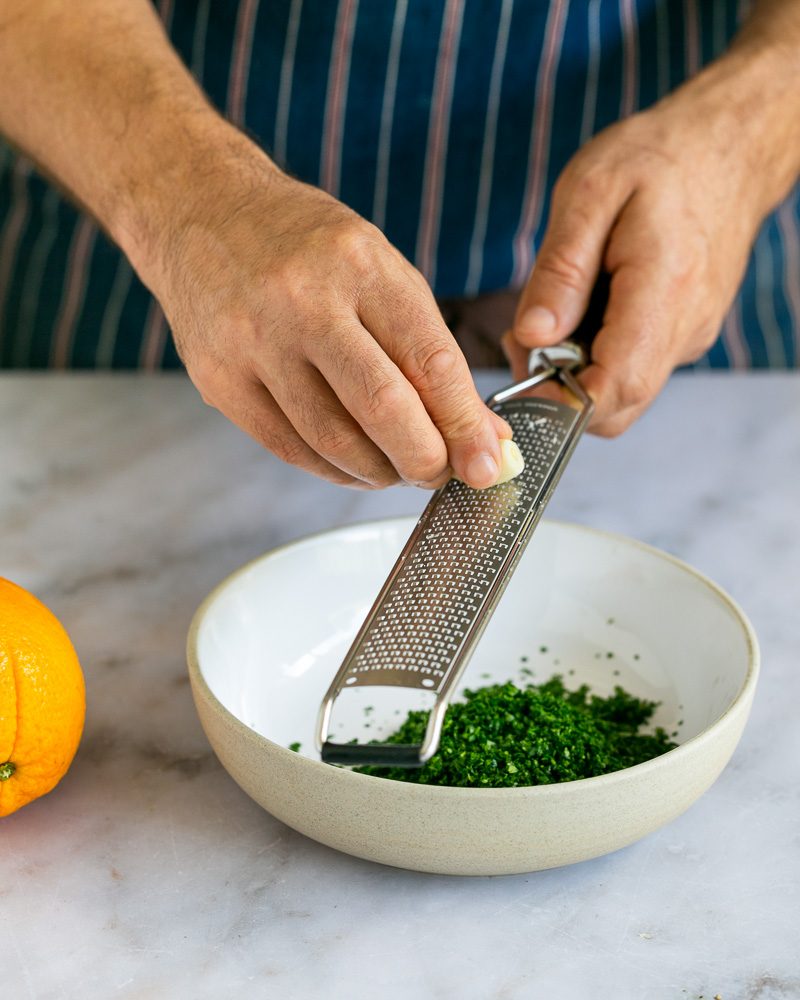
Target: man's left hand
(668, 202)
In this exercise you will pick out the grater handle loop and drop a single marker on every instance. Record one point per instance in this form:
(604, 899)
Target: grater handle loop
(380, 754)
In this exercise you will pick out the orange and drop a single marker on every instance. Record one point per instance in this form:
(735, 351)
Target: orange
(42, 699)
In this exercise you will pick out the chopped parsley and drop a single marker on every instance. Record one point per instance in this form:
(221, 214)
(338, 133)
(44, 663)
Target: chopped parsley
(505, 736)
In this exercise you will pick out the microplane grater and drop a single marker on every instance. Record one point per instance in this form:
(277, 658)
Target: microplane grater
(446, 583)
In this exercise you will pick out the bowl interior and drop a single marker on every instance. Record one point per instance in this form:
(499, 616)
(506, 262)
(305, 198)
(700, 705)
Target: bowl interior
(596, 608)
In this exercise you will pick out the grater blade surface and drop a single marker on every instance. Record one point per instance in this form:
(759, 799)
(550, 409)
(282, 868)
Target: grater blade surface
(453, 563)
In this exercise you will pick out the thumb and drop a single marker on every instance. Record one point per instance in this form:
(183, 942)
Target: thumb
(558, 290)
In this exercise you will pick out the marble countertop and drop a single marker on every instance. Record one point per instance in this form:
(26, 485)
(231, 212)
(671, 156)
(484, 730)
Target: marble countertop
(149, 874)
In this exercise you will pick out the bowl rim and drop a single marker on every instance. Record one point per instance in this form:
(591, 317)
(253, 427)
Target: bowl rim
(684, 750)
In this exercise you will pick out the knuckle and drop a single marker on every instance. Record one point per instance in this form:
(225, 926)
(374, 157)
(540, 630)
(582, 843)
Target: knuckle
(560, 263)
(636, 389)
(683, 267)
(590, 184)
(382, 400)
(611, 428)
(463, 426)
(383, 476)
(330, 438)
(333, 475)
(434, 364)
(428, 462)
(206, 374)
(288, 284)
(287, 448)
(335, 440)
(583, 178)
(354, 244)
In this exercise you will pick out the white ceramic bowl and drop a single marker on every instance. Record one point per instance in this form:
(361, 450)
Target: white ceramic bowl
(265, 644)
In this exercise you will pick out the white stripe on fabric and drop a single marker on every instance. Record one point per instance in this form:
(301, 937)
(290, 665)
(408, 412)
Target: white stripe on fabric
(691, 37)
(533, 200)
(630, 57)
(662, 48)
(721, 337)
(165, 11)
(436, 146)
(109, 326)
(77, 279)
(592, 72)
(789, 228)
(151, 354)
(725, 335)
(481, 223)
(242, 51)
(387, 115)
(199, 39)
(330, 169)
(14, 227)
(284, 99)
(765, 281)
(34, 275)
(733, 339)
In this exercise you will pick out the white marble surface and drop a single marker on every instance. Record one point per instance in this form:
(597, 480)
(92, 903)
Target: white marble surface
(149, 874)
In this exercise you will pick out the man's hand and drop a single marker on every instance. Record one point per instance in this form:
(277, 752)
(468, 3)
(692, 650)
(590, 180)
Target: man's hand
(294, 316)
(300, 322)
(669, 203)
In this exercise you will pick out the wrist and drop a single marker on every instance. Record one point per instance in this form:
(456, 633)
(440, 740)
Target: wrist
(179, 180)
(748, 103)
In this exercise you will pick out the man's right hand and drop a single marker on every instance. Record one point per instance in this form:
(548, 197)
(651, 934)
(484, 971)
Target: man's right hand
(294, 316)
(299, 321)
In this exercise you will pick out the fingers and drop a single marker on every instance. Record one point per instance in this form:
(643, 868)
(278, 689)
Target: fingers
(583, 211)
(318, 416)
(366, 394)
(384, 404)
(636, 350)
(251, 407)
(409, 328)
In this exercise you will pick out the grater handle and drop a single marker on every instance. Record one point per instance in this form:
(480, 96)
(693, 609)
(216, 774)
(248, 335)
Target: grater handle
(592, 321)
(381, 754)
(560, 360)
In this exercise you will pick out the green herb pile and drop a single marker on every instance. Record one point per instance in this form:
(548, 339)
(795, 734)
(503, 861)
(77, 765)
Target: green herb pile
(502, 736)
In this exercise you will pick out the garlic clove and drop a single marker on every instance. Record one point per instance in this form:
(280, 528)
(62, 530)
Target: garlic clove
(511, 461)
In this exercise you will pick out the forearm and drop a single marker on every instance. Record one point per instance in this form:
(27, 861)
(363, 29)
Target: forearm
(773, 25)
(96, 95)
(750, 97)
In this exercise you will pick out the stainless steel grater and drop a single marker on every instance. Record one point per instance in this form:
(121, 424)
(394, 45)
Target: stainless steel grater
(445, 585)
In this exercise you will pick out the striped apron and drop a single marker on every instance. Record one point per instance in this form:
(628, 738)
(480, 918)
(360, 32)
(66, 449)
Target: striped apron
(445, 122)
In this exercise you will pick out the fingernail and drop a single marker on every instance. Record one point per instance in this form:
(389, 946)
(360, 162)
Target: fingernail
(537, 321)
(482, 471)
